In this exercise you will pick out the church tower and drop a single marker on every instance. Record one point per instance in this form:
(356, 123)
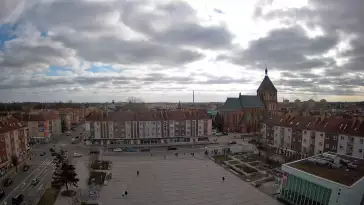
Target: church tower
(268, 94)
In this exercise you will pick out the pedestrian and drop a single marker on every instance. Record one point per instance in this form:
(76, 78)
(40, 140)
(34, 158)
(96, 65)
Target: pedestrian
(126, 193)
(137, 173)
(223, 178)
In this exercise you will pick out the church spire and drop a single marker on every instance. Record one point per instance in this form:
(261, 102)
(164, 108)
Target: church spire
(266, 70)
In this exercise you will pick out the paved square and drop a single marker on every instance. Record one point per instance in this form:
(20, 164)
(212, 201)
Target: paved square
(183, 180)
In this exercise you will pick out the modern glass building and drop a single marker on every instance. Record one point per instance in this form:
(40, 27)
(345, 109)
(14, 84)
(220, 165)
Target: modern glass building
(296, 190)
(326, 179)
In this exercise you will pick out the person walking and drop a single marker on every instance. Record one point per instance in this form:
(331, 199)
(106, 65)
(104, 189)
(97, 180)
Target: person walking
(137, 173)
(223, 179)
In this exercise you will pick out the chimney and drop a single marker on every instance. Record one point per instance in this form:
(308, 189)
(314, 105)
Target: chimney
(354, 122)
(322, 118)
(360, 119)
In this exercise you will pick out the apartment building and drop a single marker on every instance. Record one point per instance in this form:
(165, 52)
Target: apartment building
(13, 140)
(313, 135)
(42, 125)
(150, 127)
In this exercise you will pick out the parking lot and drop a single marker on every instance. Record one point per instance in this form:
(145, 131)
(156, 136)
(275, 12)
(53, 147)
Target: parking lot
(182, 180)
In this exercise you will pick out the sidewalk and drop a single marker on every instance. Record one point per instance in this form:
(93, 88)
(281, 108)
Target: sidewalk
(82, 173)
(12, 170)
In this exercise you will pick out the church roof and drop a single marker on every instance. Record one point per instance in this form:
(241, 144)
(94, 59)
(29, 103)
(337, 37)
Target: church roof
(243, 101)
(267, 85)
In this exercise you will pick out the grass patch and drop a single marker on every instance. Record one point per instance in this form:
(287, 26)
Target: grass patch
(101, 165)
(97, 178)
(49, 197)
(246, 169)
(234, 162)
(221, 158)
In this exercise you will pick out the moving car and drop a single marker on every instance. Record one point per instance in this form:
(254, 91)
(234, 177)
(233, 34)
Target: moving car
(117, 150)
(130, 150)
(34, 182)
(232, 142)
(25, 167)
(145, 150)
(77, 154)
(7, 182)
(172, 148)
(2, 193)
(18, 199)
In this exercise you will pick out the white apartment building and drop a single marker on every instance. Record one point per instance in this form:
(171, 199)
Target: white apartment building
(312, 135)
(149, 128)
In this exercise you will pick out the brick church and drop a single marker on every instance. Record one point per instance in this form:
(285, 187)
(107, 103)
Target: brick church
(244, 113)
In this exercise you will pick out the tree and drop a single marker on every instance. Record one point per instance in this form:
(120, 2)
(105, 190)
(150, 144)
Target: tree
(15, 161)
(66, 176)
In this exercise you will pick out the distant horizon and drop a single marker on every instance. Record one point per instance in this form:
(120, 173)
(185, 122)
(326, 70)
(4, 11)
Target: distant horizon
(184, 102)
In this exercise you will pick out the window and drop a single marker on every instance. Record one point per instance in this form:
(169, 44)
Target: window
(320, 143)
(327, 137)
(341, 147)
(305, 132)
(335, 137)
(361, 141)
(327, 146)
(333, 146)
(321, 134)
(342, 137)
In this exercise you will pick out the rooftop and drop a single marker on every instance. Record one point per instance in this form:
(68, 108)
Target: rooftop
(330, 124)
(341, 169)
(177, 180)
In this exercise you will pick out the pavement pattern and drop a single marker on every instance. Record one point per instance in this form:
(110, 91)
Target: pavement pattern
(182, 180)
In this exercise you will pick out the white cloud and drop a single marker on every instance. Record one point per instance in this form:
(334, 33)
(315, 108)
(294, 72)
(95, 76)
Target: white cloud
(160, 49)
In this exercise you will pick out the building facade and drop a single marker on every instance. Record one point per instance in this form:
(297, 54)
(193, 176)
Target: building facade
(150, 127)
(245, 113)
(312, 135)
(13, 140)
(42, 125)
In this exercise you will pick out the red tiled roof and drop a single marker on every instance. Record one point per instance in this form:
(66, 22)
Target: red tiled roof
(148, 116)
(353, 126)
(40, 116)
(9, 123)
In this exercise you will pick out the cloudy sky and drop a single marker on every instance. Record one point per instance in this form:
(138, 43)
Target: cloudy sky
(160, 50)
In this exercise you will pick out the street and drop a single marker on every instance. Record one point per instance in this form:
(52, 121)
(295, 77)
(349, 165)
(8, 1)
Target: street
(41, 168)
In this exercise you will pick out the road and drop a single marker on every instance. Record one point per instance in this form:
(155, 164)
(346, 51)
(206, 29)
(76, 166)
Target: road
(41, 168)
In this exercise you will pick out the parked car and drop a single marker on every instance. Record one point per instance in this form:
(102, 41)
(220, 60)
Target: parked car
(25, 167)
(18, 199)
(130, 150)
(2, 193)
(117, 150)
(51, 150)
(77, 154)
(232, 142)
(7, 182)
(42, 154)
(54, 154)
(145, 150)
(172, 148)
(34, 182)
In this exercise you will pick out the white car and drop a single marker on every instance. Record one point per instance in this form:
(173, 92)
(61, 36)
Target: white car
(117, 150)
(77, 154)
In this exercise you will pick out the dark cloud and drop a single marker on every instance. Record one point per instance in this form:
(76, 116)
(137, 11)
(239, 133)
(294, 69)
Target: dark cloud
(285, 49)
(41, 81)
(179, 26)
(333, 17)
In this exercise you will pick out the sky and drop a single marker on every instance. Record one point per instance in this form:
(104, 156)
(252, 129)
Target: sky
(162, 50)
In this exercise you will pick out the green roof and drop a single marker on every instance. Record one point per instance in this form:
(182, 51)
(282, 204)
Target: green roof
(243, 101)
(212, 112)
